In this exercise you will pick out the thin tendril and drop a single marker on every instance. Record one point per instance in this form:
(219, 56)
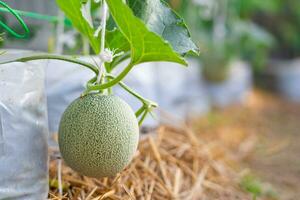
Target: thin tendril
(38, 16)
(8, 29)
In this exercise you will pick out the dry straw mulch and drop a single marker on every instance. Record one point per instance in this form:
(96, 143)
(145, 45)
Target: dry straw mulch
(172, 163)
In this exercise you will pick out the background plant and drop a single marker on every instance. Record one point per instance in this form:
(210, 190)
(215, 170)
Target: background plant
(282, 18)
(241, 37)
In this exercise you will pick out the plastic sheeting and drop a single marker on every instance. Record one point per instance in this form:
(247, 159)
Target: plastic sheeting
(181, 90)
(287, 75)
(64, 83)
(23, 132)
(235, 89)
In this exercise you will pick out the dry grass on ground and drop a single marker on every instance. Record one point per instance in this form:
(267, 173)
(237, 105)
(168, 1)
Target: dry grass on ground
(173, 163)
(204, 163)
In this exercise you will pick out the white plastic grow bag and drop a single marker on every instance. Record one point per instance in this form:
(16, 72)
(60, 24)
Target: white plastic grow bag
(65, 82)
(23, 132)
(181, 91)
(235, 89)
(287, 76)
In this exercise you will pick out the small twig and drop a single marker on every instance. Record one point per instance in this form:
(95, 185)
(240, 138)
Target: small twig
(91, 193)
(59, 179)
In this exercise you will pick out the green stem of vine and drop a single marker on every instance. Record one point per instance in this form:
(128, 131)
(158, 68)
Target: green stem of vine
(140, 111)
(117, 61)
(147, 104)
(87, 91)
(55, 57)
(133, 93)
(143, 117)
(114, 81)
(91, 86)
(103, 86)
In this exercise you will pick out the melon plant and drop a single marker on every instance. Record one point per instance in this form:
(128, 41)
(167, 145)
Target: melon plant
(98, 133)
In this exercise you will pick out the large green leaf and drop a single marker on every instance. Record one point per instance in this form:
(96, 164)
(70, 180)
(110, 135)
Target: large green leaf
(115, 40)
(71, 8)
(162, 20)
(145, 45)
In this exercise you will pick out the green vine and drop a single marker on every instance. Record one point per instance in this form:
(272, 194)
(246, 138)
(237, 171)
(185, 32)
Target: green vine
(93, 86)
(20, 20)
(55, 57)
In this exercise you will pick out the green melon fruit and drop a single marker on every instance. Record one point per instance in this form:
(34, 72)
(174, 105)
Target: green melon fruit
(98, 135)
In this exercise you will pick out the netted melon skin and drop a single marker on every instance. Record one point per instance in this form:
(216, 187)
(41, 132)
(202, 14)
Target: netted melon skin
(98, 135)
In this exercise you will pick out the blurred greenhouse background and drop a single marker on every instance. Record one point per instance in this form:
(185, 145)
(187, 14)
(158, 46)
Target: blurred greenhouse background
(240, 41)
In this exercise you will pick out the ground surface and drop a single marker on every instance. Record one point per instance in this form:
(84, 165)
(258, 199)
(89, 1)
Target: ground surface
(273, 125)
(277, 158)
(260, 138)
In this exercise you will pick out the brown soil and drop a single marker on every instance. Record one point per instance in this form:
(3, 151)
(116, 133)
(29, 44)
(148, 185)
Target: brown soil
(274, 125)
(277, 158)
